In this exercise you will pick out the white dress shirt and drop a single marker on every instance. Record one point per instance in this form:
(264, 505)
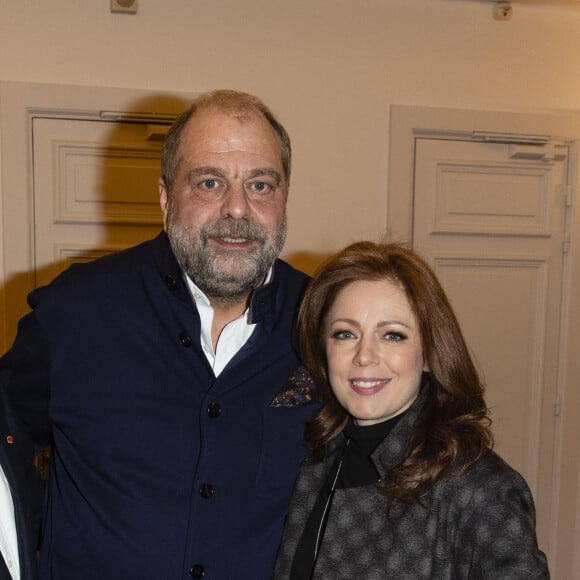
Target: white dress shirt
(234, 335)
(8, 539)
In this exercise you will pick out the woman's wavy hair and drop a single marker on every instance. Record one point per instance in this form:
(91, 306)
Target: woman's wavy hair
(454, 423)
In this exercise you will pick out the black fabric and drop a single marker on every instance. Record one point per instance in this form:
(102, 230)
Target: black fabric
(109, 363)
(355, 468)
(303, 564)
(479, 524)
(16, 458)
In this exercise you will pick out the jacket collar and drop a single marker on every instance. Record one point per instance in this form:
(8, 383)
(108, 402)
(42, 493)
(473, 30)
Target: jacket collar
(169, 268)
(393, 448)
(263, 304)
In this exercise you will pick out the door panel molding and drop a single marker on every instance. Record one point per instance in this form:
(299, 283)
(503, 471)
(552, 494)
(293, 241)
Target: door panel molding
(478, 215)
(485, 275)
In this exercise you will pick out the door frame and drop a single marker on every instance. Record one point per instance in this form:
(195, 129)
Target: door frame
(407, 123)
(20, 102)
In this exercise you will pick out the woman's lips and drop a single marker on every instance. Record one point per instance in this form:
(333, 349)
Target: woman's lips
(368, 386)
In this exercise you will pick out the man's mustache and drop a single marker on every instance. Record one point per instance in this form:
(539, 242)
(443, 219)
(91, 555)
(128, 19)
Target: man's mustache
(228, 228)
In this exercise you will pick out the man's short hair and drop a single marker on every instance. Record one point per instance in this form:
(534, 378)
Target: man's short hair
(228, 101)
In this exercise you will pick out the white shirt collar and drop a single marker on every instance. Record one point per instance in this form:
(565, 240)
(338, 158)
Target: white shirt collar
(234, 335)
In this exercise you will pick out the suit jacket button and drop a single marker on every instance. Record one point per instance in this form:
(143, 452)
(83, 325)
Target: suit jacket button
(185, 340)
(171, 282)
(214, 410)
(206, 490)
(197, 571)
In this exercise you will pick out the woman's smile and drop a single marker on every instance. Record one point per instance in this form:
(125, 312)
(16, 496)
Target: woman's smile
(365, 387)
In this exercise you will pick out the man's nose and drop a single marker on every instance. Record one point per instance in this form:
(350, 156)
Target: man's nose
(235, 203)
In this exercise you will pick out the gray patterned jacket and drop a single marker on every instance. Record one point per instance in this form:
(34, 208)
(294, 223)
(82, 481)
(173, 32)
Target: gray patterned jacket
(480, 525)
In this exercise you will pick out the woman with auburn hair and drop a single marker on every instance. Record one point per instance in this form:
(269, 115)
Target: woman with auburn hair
(402, 482)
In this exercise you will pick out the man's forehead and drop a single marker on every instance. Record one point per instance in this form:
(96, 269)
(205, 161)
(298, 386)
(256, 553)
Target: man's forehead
(211, 113)
(212, 130)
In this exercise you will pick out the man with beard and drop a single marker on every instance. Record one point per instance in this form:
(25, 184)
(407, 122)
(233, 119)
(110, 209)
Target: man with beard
(166, 376)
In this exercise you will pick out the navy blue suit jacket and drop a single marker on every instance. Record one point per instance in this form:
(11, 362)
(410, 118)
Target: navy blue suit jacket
(16, 457)
(160, 470)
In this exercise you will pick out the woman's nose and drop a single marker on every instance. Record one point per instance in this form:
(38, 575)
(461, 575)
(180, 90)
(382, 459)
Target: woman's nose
(366, 353)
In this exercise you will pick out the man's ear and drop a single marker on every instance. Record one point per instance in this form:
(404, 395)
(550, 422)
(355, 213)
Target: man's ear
(163, 201)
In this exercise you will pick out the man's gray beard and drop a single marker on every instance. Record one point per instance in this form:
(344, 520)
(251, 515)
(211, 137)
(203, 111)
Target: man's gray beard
(227, 275)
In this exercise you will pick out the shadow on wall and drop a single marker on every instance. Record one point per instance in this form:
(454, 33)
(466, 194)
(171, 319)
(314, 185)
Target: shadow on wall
(95, 190)
(308, 262)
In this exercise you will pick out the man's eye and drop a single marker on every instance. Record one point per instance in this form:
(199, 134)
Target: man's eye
(260, 187)
(209, 183)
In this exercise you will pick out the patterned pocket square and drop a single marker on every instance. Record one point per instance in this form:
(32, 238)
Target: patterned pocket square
(299, 389)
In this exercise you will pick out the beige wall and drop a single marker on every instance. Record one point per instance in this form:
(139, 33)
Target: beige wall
(330, 69)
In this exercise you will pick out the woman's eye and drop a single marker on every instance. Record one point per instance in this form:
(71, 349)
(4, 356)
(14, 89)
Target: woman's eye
(342, 334)
(395, 336)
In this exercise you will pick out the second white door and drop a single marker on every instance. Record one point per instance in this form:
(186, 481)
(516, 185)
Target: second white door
(490, 217)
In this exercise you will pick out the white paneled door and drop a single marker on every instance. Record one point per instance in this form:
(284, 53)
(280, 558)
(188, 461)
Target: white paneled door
(95, 189)
(491, 218)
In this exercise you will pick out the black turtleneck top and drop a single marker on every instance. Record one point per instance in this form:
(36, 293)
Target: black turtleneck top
(353, 468)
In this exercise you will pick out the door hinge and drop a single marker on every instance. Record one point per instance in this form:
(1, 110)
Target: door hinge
(566, 239)
(558, 406)
(567, 196)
